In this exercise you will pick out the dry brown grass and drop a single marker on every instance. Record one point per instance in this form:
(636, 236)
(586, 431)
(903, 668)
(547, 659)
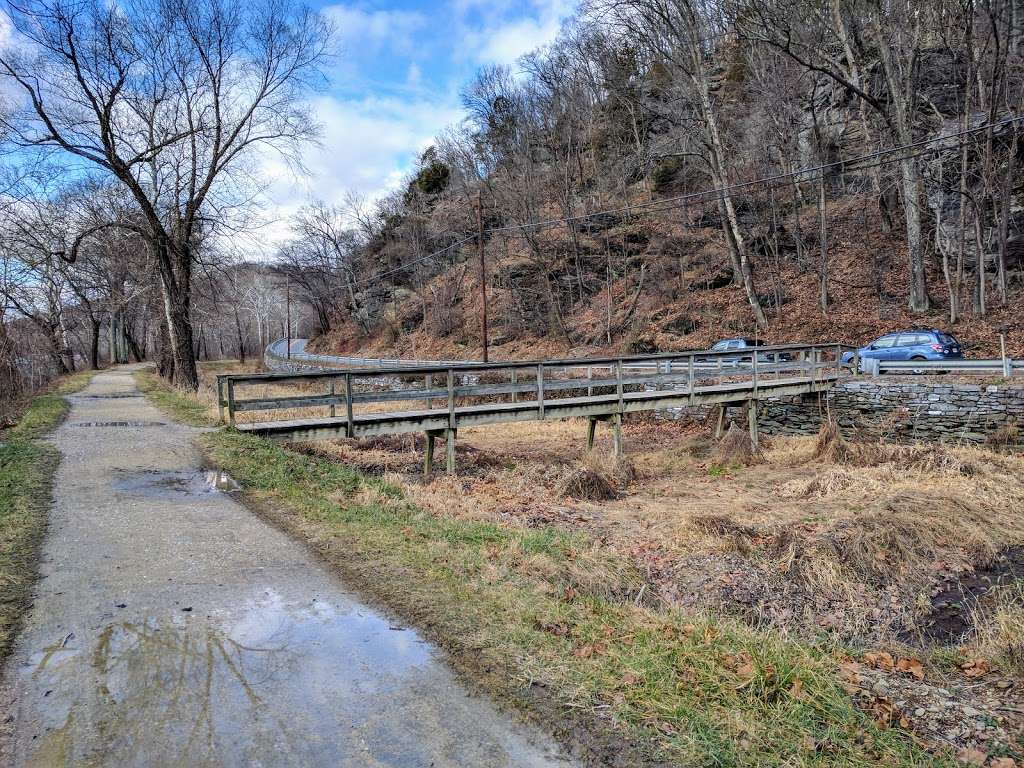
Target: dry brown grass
(736, 449)
(1008, 434)
(1000, 629)
(598, 478)
(813, 532)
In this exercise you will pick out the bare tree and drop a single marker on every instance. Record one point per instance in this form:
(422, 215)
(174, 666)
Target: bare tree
(681, 34)
(170, 98)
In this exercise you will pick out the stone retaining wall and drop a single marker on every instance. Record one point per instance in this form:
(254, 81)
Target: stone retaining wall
(902, 407)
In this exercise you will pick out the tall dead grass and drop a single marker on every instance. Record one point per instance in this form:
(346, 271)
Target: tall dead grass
(736, 449)
(999, 623)
(598, 478)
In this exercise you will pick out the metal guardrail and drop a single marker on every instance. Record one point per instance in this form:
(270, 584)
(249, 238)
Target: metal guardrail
(277, 351)
(711, 360)
(999, 366)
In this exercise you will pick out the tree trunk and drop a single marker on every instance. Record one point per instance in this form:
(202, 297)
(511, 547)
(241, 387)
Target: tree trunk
(1004, 216)
(823, 244)
(910, 180)
(165, 355)
(175, 284)
(94, 344)
(241, 338)
(730, 223)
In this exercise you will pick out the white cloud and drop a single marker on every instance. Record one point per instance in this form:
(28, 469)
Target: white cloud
(501, 32)
(368, 145)
(361, 33)
(510, 41)
(375, 128)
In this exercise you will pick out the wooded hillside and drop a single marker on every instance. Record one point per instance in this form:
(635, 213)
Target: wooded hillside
(673, 171)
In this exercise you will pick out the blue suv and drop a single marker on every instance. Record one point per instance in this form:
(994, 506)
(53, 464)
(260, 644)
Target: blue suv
(919, 344)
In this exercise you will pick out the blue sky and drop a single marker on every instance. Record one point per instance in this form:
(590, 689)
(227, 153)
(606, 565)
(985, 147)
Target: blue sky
(395, 84)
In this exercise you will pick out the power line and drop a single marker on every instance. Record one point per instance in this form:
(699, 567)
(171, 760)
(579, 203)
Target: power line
(414, 262)
(657, 206)
(718, 191)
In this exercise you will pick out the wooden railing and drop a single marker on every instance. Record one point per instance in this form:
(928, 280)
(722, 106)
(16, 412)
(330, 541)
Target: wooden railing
(532, 381)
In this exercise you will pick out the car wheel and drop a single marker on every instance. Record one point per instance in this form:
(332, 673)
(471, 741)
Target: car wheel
(918, 371)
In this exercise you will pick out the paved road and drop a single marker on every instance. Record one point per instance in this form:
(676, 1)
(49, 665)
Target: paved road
(174, 628)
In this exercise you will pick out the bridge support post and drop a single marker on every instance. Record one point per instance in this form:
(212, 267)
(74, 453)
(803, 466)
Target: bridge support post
(752, 421)
(591, 429)
(428, 456)
(220, 399)
(449, 440)
(617, 435)
(719, 420)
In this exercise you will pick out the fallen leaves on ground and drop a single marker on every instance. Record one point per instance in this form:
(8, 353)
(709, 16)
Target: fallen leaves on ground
(975, 668)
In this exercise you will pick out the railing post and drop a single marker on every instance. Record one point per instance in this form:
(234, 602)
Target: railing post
(451, 399)
(856, 362)
(220, 399)
(753, 365)
(333, 393)
(618, 381)
(231, 402)
(590, 377)
(349, 426)
(719, 369)
(692, 381)
(429, 383)
(540, 390)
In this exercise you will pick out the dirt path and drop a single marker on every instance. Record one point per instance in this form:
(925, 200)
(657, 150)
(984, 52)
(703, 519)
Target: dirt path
(173, 627)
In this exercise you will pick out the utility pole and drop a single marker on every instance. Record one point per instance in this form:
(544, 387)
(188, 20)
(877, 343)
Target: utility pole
(483, 268)
(288, 316)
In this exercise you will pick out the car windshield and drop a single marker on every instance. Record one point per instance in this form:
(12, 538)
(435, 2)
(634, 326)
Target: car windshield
(720, 345)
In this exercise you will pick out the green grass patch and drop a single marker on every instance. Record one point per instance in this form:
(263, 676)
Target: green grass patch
(547, 610)
(174, 402)
(27, 467)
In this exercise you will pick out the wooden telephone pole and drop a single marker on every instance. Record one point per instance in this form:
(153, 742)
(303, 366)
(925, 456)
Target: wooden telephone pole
(483, 269)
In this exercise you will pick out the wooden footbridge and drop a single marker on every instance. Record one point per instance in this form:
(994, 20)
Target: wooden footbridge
(438, 400)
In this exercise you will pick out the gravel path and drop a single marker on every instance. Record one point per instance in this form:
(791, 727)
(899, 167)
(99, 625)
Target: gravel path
(172, 627)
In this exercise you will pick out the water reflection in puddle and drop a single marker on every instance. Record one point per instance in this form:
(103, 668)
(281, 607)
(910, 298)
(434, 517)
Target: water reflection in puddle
(274, 685)
(163, 484)
(119, 424)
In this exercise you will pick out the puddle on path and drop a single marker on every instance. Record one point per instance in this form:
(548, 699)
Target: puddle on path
(275, 684)
(119, 424)
(111, 396)
(168, 484)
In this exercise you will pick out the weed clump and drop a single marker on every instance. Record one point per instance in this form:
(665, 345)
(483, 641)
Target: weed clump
(1008, 434)
(597, 479)
(831, 446)
(1000, 628)
(736, 449)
